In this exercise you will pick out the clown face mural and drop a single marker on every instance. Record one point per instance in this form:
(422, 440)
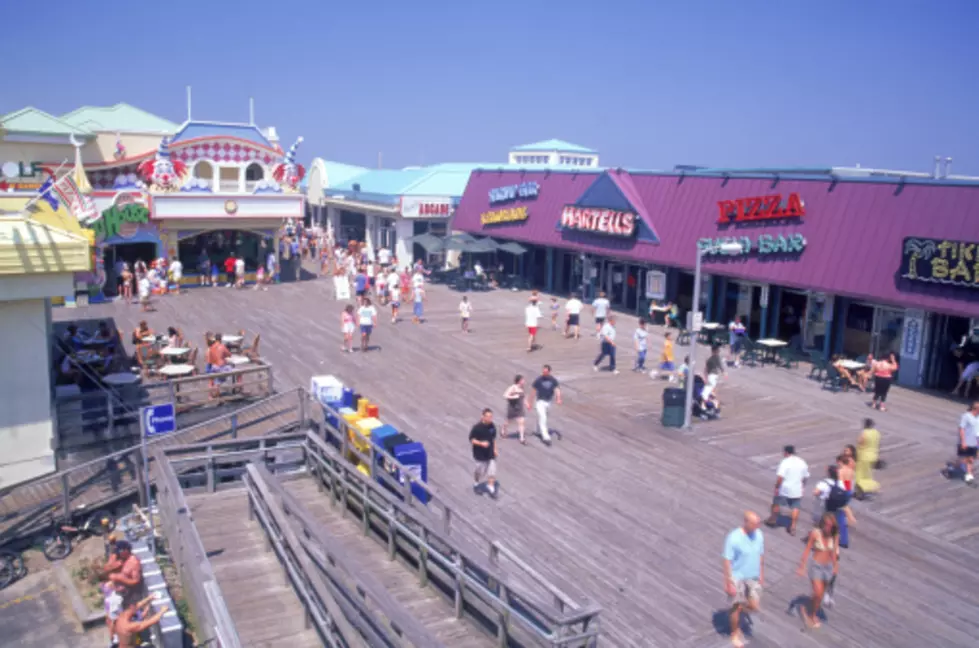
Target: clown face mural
(161, 173)
(288, 173)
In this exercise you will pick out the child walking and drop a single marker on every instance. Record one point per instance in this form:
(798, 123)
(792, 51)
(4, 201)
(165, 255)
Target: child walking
(465, 312)
(666, 364)
(640, 339)
(555, 309)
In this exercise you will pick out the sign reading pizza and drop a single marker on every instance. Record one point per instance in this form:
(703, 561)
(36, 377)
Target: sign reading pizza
(610, 222)
(760, 208)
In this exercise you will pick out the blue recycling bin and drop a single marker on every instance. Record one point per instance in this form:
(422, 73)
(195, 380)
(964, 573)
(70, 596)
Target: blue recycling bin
(348, 397)
(415, 460)
(331, 418)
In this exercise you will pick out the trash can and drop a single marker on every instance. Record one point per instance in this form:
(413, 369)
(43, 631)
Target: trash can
(674, 400)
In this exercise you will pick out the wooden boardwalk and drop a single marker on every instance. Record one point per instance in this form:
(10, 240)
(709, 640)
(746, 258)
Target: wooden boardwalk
(432, 610)
(621, 510)
(263, 605)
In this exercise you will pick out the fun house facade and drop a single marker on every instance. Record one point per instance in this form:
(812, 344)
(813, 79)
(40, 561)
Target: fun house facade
(850, 266)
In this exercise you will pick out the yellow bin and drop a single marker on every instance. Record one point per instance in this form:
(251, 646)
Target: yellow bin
(350, 416)
(362, 405)
(364, 426)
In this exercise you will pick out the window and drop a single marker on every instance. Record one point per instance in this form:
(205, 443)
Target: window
(253, 174)
(229, 179)
(204, 171)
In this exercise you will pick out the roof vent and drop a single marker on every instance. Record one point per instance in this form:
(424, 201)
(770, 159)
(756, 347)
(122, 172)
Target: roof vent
(356, 187)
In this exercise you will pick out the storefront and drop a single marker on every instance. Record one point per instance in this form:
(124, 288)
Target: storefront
(850, 266)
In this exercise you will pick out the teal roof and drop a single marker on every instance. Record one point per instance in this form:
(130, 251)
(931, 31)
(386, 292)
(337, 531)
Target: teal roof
(440, 183)
(120, 117)
(338, 173)
(38, 122)
(554, 145)
(392, 182)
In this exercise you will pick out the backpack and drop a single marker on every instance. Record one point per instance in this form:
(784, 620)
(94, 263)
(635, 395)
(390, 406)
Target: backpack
(838, 498)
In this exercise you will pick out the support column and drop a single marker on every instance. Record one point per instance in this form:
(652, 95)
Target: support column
(776, 309)
(763, 331)
(720, 308)
(550, 270)
(830, 325)
(839, 324)
(709, 292)
(672, 284)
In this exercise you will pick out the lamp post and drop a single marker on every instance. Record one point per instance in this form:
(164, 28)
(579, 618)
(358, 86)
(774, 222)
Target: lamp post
(732, 248)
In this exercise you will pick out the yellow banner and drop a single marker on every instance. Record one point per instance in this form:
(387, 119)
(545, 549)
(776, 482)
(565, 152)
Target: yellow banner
(510, 215)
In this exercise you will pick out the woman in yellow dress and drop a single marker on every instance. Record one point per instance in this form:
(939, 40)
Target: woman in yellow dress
(868, 453)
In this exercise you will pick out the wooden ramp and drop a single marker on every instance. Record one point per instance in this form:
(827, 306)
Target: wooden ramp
(263, 605)
(431, 608)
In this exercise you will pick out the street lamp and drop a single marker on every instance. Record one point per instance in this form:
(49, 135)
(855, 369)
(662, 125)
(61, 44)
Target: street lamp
(728, 247)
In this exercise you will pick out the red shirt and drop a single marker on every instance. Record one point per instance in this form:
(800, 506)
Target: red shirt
(229, 264)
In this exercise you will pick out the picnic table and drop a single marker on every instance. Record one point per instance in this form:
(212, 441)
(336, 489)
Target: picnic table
(236, 360)
(711, 331)
(121, 379)
(176, 370)
(771, 346)
(172, 353)
(852, 365)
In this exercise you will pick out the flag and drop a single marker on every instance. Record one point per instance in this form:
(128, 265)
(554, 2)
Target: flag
(80, 205)
(46, 193)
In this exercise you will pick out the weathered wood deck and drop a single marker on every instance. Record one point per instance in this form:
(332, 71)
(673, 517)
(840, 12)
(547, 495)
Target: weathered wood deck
(432, 610)
(262, 602)
(620, 509)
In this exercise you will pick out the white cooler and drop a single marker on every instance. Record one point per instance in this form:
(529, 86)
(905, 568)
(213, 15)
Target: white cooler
(326, 389)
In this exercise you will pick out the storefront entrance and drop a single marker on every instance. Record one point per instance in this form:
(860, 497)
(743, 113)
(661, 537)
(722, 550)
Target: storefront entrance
(872, 329)
(353, 227)
(943, 368)
(128, 253)
(217, 246)
(620, 283)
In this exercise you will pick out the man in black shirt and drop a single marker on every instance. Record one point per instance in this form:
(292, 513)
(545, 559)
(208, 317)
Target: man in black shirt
(715, 368)
(483, 440)
(546, 389)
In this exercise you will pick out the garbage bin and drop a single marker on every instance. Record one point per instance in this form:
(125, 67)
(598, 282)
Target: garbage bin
(674, 401)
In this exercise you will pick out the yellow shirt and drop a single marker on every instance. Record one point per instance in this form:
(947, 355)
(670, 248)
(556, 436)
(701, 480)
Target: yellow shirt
(668, 351)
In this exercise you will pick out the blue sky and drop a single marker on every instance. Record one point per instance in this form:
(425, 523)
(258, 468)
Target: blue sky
(648, 83)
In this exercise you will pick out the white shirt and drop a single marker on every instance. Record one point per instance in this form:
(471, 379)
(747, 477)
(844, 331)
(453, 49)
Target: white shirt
(531, 314)
(239, 266)
(367, 315)
(793, 470)
(393, 282)
(601, 306)
(176, 268)
(608, 332)
(384, 256)
(465, 309)
(144, 286)
(370, 270)
(573, 307)
(417, 279)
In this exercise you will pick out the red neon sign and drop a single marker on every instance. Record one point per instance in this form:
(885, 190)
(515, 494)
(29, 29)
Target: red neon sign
(760, 208)
(600, 221)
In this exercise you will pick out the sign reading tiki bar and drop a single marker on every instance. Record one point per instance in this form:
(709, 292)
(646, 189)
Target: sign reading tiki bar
(941, 261)
(498, 216)
(512, 192)
(599, 221)
(760, 208)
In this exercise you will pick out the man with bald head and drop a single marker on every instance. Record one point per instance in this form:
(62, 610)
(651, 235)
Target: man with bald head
(744, 571)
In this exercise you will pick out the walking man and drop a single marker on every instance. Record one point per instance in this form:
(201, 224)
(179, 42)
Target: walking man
(790, 482)
(367, 315)
(600, 308)
(744, 572)
(607, 336)
(482, 437)
(640, 339)
(968, 440)
(546, 389)
(573, 324)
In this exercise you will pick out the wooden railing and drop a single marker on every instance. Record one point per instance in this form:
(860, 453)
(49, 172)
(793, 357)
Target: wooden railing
(185, 549)
(112, 414)
(510, 599)
(26, 506)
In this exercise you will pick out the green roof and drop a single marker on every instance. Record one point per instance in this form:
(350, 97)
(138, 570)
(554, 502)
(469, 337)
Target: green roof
(554, 145)
(37, 122)
(120, 117)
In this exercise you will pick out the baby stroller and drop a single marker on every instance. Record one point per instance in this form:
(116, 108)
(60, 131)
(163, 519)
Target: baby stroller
(707, 408)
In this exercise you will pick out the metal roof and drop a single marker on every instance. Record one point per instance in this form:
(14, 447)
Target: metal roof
(121, 117)
(37, 122)
(203, 129)
(554, 145)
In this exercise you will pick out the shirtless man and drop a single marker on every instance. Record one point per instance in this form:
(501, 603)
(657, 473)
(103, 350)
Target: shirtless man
(127, 579)
(217, 362)
(128, 629)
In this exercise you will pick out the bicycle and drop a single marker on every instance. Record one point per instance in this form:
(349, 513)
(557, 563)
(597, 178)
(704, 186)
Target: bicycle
(58, 545)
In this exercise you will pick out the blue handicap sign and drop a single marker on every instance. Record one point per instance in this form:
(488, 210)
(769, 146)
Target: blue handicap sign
(158, 419)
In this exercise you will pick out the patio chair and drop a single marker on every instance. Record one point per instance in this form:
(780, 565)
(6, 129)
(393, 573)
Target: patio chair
(148, 360)
(819, 366)
(789, 358)
(752, 355)
(833, 381)
(683, 336)
(192, 360)
(252, 352)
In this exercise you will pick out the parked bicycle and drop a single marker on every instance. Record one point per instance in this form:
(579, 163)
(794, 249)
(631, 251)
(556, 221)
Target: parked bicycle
(58, 544)
(11, 567)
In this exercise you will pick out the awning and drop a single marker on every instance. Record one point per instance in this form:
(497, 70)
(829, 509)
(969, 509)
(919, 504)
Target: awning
(513, 248)
(429, 242)
(28, 246)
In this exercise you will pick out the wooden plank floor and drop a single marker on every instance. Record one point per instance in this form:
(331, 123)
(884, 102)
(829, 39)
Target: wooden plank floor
(621, 510)
(107, 480)
(435, 612)
(263, 605)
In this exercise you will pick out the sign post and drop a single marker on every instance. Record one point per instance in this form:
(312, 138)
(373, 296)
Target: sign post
(154, 421)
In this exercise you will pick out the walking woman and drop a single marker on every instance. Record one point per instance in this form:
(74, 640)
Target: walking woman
(127, 284)
(844, 515)
(823, 566)
(347, 326)
(883, 375)
(868, 454)
(514, 397)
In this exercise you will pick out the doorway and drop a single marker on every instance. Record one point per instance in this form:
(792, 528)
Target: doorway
(944, 367)
(791, 319)
(888, 331)
(128, 253)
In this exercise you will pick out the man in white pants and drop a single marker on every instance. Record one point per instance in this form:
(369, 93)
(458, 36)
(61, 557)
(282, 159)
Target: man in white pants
(546, 389)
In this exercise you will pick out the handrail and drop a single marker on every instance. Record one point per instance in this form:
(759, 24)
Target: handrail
(460, 562)
(187, 551)
(449, 513)
(339, 565)
(291, 551)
